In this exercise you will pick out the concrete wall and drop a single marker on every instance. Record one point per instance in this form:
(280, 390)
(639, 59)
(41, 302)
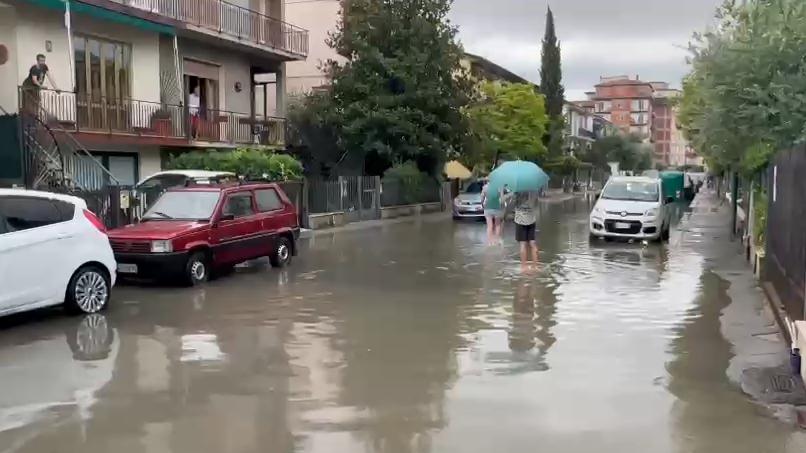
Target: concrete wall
(8, 69)
(234, 67)
(319, 18)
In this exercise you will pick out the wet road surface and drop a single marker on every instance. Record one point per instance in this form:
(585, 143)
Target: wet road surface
(412, 337)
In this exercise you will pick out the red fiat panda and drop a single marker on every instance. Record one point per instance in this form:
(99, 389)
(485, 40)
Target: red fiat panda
(193, 231)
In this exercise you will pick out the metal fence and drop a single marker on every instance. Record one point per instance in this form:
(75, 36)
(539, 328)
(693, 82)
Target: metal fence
(357, 197)
(786, 229)
(396, 193)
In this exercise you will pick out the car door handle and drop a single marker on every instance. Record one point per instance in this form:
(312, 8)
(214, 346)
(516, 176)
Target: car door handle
(61, 236)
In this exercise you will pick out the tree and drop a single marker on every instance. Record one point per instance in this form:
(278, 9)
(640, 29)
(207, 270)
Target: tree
(398, 95)
(510, 121)
(746, 93)
(629, 151)
(551, 87)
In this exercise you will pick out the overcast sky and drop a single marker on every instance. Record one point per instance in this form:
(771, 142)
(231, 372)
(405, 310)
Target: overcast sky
(597, 37)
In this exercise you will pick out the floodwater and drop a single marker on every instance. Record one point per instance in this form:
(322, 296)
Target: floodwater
(411, 337)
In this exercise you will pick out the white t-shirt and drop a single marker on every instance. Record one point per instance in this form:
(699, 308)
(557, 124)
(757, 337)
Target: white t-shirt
(193, 103)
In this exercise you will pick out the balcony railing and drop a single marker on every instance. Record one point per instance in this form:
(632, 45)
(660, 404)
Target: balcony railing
(84, 113)
(232, 20)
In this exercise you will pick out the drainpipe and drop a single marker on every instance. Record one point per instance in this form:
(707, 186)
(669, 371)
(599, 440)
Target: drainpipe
(178, 68)
(68, 23)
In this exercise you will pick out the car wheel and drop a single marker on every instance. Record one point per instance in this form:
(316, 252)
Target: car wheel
(665, 234)
(281, 254)
(88, 291)
(197, 270)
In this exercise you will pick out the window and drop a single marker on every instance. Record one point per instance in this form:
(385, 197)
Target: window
(268, 200)
(239, 205)
(25, 213)
(185, 205)
(103, 81)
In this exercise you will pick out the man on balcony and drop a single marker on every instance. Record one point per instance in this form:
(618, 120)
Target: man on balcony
(33, 84)
(194, 103)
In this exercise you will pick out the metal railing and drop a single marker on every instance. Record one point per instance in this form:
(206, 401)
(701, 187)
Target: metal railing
(54, 158)
(81, 112)
(226, 18)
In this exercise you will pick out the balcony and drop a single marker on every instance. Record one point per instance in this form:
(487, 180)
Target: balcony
(232, 21)
(154, 122)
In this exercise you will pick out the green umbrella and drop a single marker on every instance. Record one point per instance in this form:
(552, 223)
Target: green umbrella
(518, 176)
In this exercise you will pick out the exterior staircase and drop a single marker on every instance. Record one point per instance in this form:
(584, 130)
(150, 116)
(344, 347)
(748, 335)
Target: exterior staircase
(53, 158)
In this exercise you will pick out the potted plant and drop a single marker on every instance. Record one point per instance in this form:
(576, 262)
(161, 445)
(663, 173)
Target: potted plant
(161, 122)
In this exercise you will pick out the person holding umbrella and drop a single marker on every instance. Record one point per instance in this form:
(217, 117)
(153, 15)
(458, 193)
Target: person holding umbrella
(525, 180)
(493, 213)
(526, 226)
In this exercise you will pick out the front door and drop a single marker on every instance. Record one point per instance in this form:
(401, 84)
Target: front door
(235, 235)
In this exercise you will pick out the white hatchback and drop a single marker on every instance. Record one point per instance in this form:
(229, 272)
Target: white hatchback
(53, 250)
(631, 207)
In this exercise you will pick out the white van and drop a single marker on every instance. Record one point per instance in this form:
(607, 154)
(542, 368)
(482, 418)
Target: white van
(631, 207)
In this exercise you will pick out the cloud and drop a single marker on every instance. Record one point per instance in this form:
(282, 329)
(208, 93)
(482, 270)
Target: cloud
(644, 37)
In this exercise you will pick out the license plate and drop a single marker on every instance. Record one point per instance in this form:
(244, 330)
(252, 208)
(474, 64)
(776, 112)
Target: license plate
(127, 268)
(623, 226)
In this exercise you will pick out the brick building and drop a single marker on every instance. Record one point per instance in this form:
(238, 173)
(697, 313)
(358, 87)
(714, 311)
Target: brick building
(645, 109)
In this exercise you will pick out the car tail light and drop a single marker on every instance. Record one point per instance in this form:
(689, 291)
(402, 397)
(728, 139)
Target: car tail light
(95, 221)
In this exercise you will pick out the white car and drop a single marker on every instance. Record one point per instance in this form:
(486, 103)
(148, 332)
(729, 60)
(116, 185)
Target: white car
(631, 207)
(52, 251)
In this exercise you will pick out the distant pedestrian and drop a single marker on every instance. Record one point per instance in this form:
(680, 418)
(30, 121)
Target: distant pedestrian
(493, 213)
(194, 105)
(526, 226)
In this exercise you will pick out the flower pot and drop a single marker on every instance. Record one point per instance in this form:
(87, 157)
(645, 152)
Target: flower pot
(162, 126)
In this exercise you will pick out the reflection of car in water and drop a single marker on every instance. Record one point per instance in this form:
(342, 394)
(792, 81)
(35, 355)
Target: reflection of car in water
(631, 208)
(467, 205)
(54, 379)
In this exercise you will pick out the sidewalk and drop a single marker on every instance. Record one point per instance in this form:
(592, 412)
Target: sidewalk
(760, 362)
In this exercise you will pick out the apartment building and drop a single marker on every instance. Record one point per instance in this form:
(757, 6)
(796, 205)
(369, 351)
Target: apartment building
(646, 109)
(135, 80)
(583, 126)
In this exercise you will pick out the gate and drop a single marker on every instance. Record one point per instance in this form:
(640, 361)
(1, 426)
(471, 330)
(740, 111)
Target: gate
(357, 197)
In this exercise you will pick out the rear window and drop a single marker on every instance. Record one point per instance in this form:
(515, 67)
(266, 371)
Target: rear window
(25, 213)
(268, 200)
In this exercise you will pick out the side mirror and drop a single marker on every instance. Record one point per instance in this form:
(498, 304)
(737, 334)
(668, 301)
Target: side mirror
(225, 217)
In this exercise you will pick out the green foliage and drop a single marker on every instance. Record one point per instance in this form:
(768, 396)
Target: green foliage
(397, 94)
(242, 161)
(746, 93)
(629, 151)
(551, 86)
(509, 121)
(760, 206)
(405, 184)
(564, 165)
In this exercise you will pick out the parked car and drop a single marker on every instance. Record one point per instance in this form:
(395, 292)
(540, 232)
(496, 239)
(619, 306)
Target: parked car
(631, 207)
(148, 190)
(53, 250)
(193, 231)
(467, 205)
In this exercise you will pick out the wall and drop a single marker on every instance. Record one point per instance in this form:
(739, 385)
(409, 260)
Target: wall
(234, 68)
(319, 18)
(8, 70)
(36, 25)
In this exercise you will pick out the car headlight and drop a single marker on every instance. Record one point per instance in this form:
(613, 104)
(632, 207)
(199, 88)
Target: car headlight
(597, 211)
(456, 202)
(161, 247)
(652, 212)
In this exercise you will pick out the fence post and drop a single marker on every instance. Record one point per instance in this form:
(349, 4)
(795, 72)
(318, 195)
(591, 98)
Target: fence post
(303, 203)
(359, 188)
(377, 196)
(341, 194)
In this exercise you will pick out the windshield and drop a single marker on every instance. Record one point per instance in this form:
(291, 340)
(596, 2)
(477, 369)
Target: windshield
(631, 191)
(475, 187)
(184, 205)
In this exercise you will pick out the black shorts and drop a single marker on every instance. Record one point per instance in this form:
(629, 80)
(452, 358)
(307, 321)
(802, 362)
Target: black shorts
(525, 233)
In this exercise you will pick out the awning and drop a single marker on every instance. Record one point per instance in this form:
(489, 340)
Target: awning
(455, 170)
(105, 14)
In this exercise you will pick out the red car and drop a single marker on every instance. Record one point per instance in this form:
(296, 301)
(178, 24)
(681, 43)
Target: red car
(191, 232)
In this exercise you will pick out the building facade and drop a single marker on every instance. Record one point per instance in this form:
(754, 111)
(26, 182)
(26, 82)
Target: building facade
(648, 110)
(583, 126)
(136, 80)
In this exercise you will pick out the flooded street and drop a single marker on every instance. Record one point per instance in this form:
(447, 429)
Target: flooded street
(410, 337)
